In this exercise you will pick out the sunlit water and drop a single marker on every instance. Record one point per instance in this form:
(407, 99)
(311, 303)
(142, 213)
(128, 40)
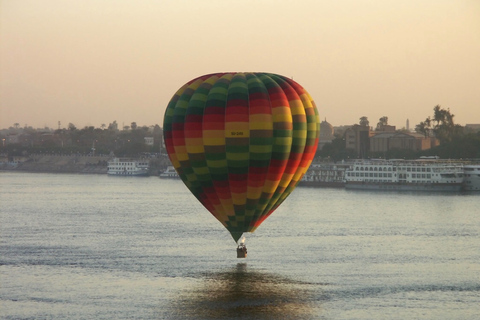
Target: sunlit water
(99, 247)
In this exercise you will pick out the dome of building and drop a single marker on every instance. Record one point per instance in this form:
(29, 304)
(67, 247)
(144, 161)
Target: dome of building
(326, 130)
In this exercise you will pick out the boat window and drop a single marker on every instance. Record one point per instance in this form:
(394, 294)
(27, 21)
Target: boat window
(447, 175)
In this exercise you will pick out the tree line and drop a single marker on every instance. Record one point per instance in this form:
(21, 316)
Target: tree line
(455, 141)
(90, 140)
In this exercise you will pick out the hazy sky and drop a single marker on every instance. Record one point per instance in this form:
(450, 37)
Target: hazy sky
(91, 62)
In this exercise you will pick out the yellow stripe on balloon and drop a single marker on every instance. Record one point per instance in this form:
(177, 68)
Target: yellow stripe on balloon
(217, 163)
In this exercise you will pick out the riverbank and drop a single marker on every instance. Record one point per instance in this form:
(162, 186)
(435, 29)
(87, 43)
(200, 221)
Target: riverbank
(71, 164)
(60, 164)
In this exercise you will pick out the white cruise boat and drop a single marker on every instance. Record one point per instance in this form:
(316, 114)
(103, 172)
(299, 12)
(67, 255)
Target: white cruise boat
(471, 177)
(127, 167)
(405, 175)
(325, 175)
(169, 173)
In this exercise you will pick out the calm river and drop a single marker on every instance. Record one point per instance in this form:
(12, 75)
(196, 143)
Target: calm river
(99, 247)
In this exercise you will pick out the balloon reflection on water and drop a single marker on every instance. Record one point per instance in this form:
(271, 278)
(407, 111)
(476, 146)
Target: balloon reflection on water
(247, 294)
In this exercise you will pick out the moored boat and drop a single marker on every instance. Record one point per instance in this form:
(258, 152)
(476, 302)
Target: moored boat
(471, 177)
(330, 175)
(127, 167)
(405, 175)
(169, 173)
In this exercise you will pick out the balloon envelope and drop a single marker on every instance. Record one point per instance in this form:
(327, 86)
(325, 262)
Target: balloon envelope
(241, 142)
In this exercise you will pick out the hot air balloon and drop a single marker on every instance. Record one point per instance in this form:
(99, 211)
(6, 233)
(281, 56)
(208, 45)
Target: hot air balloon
(241, 142)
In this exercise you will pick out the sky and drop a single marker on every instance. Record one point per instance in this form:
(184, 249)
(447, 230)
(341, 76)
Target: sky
(93, 62)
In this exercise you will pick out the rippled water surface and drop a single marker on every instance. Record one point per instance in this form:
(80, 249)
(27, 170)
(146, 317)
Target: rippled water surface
(99, 247)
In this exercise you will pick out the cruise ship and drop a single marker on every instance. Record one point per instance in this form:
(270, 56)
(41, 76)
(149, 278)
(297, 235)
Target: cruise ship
(471, 177)
(330, 175)
(405, 175)
(127, 167)
(169, 173)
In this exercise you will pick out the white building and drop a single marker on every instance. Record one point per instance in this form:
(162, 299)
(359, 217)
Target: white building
(149, 141)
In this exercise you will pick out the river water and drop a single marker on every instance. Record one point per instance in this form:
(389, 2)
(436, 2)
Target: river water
(100, 247)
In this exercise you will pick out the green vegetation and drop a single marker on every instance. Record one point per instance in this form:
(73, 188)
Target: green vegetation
(460, 146)
(129, 142)
(335, 151)
(456, 141)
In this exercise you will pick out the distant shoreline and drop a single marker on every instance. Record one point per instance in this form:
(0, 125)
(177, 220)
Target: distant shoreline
(80, 164)
(60, 164)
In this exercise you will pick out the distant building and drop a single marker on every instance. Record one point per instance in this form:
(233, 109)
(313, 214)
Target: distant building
(357, 138)
(473, 127)
(148, 141)
(13, 138)
(386, 128)
(326, 134)
(384, 141)
(340, 130)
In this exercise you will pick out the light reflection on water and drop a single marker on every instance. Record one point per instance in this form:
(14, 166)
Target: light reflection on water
(241, 293)
(99, 247)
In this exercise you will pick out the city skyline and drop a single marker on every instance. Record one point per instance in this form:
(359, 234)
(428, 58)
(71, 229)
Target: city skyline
(91, 62)
(122, 125)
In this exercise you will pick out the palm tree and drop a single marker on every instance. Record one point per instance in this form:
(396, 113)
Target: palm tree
(444, 126)
(383, 121)
(364, 121)
(423, 127)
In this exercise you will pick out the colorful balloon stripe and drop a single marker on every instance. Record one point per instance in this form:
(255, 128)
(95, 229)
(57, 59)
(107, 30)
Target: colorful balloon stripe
(241, 142)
